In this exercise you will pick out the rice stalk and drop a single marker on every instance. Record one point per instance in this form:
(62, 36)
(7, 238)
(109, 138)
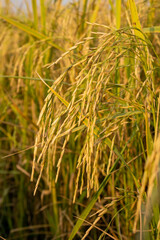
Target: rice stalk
(97, 145)
(151, 198)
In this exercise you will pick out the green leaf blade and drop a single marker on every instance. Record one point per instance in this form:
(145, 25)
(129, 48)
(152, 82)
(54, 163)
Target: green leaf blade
(31, 31)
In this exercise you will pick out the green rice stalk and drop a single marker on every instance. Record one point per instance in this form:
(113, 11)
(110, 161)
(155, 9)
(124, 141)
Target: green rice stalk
(43, 16)
(35, 14)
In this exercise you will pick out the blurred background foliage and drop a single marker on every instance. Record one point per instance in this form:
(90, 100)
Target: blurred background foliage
(95, 37)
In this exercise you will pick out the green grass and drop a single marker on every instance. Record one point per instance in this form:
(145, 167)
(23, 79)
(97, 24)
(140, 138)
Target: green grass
(79, 122)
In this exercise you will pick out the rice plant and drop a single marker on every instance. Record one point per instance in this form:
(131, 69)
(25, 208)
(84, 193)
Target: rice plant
(80, 119)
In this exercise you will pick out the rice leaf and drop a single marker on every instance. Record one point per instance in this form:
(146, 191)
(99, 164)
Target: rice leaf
(155, 29)
(149, 140)
(34, 7)
(95, 12)
(54, 92)
(85, 3)
(135, 19)
(43, 16)
(30, 31)
(118, 14)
